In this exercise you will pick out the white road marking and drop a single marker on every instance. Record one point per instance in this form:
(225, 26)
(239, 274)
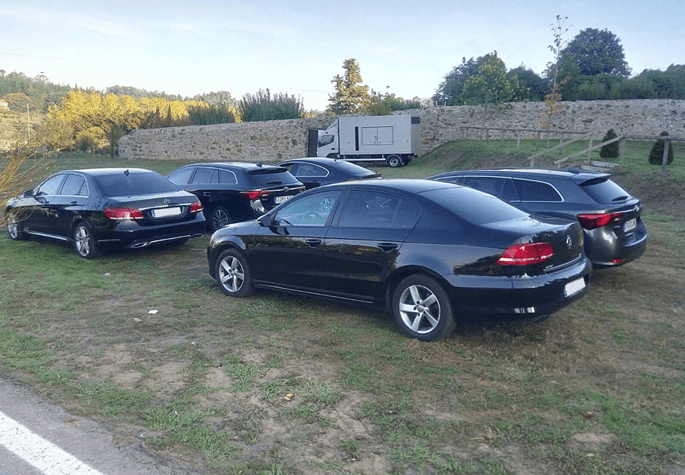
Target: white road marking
(42, 454)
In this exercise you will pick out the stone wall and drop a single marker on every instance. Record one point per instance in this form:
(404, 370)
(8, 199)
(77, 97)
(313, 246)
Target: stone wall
(283, 139)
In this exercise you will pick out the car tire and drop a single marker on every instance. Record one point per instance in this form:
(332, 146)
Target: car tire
(422, 308)
(233, 274)
(84, 243)
(13, 229)
(219, 218)
(394, 161)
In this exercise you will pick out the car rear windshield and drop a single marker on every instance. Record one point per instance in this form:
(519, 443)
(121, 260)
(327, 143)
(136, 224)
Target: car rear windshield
(352, 168)
(603, 190)
(474, 206)
(123, 184)
(271, 176)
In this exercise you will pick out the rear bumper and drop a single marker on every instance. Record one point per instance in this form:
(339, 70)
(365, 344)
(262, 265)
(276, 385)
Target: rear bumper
(519, 297)
(133, 237)
(605, 249)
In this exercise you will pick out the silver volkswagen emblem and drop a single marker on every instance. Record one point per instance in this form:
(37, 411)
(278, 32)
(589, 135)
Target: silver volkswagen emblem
(569, 242)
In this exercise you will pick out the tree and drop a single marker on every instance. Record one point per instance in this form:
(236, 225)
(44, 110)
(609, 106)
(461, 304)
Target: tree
(656, 155)
(597, 52)
(610, 150)
(531, 86)
(490, 84)
(449, 91)
(351, 96)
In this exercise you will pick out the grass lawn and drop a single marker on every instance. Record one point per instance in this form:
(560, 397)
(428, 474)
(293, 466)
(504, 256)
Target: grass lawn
(146, 342)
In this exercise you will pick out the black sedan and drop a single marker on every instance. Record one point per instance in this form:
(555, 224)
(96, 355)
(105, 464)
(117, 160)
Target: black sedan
(106, 208)
(611, 218)
(313, 172)
(236, 191)
(430, 253)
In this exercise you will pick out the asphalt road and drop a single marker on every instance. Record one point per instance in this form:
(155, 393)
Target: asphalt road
(38, 437)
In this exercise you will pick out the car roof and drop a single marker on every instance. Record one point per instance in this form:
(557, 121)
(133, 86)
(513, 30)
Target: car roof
(246, 166)
(412, 185)
(107, 171)
(313, 160)
(575, 174)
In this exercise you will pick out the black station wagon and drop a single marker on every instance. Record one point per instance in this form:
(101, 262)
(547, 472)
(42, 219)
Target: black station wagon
(611, 218)
(236, 191)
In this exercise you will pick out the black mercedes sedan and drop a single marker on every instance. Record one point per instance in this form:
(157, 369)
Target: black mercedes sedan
(106, 208)
(430, 253)
(313, 172)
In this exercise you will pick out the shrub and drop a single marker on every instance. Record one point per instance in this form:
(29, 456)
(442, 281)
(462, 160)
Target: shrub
(656, 155)
(264, 106)
(610, 150)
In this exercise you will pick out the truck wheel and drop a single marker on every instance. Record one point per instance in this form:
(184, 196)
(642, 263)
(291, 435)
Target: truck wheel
(394, 161)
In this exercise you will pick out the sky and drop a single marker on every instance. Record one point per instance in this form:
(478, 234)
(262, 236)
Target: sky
(405, 47)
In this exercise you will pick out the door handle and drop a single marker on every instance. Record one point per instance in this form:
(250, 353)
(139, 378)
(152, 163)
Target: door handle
(387, 246)
(312, 242)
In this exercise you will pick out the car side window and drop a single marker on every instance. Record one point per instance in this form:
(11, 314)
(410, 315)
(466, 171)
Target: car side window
(50, 186)
(181, 177)
(74, 185)
(206, 175)
(509, 191)
(535, 191)
(312, 210)
(309, 170)
(372, 209)
(490, 185)
(226, 177)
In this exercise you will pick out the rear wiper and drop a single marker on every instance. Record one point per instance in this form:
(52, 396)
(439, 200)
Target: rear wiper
(620, 198)
(275, 183)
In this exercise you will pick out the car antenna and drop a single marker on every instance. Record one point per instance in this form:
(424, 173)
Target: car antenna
(126, 172)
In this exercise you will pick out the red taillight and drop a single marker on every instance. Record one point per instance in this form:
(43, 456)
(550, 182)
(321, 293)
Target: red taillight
(123, 213)
(253, 195)
(593, 221)
(526, 254)
(196, 207)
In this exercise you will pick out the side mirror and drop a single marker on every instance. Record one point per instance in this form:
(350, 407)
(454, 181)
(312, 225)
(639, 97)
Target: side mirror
(264, 220)
(28, 193)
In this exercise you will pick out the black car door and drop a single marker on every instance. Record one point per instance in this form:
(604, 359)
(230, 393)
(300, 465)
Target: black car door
(39, 213)
(67, 203)
(364, 242)
(288, 253)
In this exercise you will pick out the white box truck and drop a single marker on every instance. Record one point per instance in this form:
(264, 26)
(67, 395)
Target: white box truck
(394, 139)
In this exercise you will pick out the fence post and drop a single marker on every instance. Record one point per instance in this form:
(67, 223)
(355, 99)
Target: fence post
(537, 142)
(561, 142)
(622, 151)
(518, 139)
(664, 161)
(589, 152)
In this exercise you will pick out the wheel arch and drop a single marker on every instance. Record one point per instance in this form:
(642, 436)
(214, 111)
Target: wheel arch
(396, 277)
(216, 251)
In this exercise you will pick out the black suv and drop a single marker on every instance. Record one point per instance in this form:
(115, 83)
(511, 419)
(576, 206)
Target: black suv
(236, 191)
(610, 217)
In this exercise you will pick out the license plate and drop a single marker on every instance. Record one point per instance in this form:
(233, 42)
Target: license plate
(281, 199)
(630, 225)
(574, 287)
(166, 212)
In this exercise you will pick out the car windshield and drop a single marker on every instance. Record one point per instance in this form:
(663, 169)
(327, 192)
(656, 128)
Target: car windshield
(474, 206)
(352, 169)
(126, 184)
